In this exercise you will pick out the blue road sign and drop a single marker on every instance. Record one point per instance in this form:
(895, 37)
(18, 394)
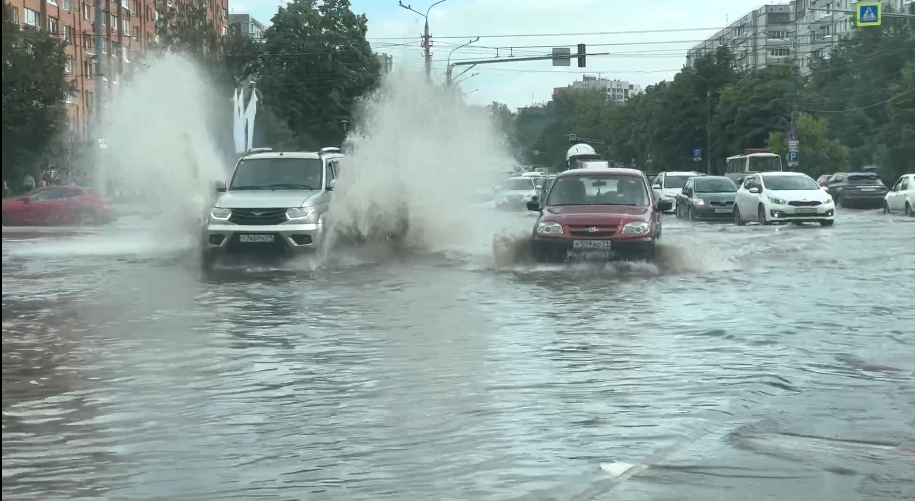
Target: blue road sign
(792, 135)
(697, 154)
(793, 158)
(869, 14)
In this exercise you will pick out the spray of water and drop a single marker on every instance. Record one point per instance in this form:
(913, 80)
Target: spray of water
(160, 153)
(416, 157)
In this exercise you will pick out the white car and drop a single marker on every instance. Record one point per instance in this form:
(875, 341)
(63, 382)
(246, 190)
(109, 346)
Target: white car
(668, 185)
(770, 197)
(902, 196)
(516, 192)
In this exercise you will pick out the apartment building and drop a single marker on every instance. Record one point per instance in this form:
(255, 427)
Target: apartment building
(618, 91)
(822, 23)
(761, 38)
(246, 25)
(129, 29)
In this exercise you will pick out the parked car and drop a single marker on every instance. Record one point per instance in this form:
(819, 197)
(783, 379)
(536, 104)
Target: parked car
(902, 196)
(707, 197)
(669, 185)
(857, 189)
(68, 205)
(606, 213)
(770, 197)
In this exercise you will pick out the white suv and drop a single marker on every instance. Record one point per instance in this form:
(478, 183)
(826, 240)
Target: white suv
(770, 197)
(902, 196)
(276, 203)
(669, 185)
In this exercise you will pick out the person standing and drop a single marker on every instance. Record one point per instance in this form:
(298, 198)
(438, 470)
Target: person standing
(28, 183)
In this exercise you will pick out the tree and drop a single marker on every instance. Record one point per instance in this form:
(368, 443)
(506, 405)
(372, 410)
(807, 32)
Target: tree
(819, 154)
(316, 64)
(898, 149)
(34, 90)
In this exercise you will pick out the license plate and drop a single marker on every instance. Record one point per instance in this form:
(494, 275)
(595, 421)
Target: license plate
(722, 211)
(809, 210)
(591, 244)
(256, 239)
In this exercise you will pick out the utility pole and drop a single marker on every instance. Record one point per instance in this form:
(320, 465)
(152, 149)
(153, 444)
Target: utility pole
(427, 37)
(708, 128)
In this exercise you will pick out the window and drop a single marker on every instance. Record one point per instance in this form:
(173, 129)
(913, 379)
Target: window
(70, 66)
(52, 2)
(52, 25)
(125, 4)
(114, 22)
(225, 30)
(14, 15)
(67, 5)
(87, 41)
(87, 13)
(87, 69)
(330, 174)
(134, 8)
(115, 49)
(905, 184)
(104, 46)
(125, 27)
(675, 182)
(69, 38)
(277, 173)
(779, 52)
(31, 17)
(72, 97)
(135, 32)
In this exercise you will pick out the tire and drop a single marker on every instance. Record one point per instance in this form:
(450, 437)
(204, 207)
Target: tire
(690, 214)
(761, 216)
(908, 209)
(828, 222)
(207, 261)
(838, 201)
(886, 208)
(737, 219)
(677, 212)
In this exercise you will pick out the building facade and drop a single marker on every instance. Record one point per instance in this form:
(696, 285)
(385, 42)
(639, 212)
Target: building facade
(245, 25)
(618, 91)
(129, 29)
(761, 38)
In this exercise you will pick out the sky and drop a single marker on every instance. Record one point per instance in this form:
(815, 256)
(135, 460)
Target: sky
(647, 41)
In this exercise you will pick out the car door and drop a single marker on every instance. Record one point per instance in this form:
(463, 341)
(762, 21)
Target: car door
(658, 187)
(906, 185)
(36, 206)
(895, 196)
(685, 195)
(745, 198)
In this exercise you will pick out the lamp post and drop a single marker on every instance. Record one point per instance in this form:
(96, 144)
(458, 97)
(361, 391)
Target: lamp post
(427, 39)
(448, 72)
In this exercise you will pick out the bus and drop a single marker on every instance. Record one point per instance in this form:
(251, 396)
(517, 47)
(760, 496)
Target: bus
(752, 161)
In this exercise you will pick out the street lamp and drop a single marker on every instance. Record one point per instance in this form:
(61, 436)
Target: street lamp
(448, 73)
(427, 39)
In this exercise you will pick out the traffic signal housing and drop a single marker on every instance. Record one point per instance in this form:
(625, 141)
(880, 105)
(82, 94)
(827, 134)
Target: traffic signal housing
(581, 56)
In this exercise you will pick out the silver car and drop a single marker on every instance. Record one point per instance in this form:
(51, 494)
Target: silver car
(275, 204)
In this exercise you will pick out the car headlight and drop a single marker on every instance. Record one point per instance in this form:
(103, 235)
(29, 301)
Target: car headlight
(220, 213)
(827, 201)
(299, 212)
(698, 202)
(548, 228)
(777, 201)
(636, 229)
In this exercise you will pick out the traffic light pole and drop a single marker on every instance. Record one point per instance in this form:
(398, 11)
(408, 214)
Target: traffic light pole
(518, 60)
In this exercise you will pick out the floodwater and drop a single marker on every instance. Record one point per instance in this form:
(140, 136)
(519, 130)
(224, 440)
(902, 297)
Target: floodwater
(752, 363)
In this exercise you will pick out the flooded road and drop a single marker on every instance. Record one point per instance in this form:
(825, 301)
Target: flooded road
(753, 363)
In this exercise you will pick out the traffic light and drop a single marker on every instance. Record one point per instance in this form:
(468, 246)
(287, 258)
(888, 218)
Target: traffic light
(581, 55)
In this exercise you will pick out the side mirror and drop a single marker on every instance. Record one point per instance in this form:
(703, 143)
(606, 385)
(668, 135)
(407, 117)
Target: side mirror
(824, 188)
(754, 190)
(656, 186)
(26, 200)
(665, 205)
(331, 185)
(220, 186)
(685, 191)
(533, 205)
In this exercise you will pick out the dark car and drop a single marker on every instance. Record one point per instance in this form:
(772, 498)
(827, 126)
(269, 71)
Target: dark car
(707, 197)
(863, 190)
(605, 213)
(68, 205)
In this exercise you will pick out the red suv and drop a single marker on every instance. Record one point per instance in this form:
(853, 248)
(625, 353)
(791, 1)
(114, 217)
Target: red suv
(608, 213)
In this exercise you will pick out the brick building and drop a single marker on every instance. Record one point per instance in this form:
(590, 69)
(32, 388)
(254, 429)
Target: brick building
(129, 29)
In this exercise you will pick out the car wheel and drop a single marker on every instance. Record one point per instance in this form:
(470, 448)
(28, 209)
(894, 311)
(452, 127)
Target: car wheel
(828, 222)
(761, 215)
(690, 213)
(908, 209)
(207, 260)
(737, 219)
(886, 208)
(838, 201)
(677, 212)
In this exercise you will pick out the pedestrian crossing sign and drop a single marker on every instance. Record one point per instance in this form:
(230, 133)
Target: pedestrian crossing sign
(869, 14)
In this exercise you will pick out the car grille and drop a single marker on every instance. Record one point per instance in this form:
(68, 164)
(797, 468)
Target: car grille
(258, 217)
(721, 203)
(795, 203)
(580, 231)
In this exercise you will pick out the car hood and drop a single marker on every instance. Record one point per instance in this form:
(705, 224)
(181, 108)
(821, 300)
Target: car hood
(717, 197)
(799, 195)
(596, 214)
(262, 199)
(671, 192)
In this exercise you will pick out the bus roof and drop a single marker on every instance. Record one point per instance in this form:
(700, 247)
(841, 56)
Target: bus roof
(768, 155)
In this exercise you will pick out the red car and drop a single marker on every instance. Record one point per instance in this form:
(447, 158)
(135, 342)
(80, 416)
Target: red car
(607, 213)
(57, 206)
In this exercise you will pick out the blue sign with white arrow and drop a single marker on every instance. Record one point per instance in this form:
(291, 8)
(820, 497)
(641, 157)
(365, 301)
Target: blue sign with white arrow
(697, 154)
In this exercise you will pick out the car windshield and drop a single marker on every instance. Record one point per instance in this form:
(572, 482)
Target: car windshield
(716, 185)
(765, 164)
(865, 179)
(790, 183)
(675, 181)
(598, 190)
(278, 174)
(518, 184)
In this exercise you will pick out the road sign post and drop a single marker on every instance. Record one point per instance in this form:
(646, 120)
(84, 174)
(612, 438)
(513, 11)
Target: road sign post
(697, 154)
(869, 14)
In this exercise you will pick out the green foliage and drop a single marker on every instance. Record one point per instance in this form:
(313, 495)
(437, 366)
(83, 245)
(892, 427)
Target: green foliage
(34, 90)
(820, 154)
(316, 64)
(856, 108)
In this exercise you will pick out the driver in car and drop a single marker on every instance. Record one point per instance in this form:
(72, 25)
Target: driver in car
(630, 192)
